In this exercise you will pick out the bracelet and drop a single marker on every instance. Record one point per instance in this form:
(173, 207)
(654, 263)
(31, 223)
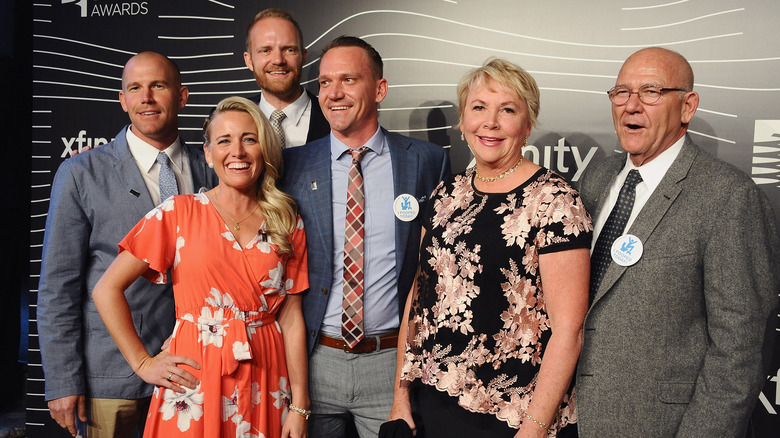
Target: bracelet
(300, 411)
(542, 425)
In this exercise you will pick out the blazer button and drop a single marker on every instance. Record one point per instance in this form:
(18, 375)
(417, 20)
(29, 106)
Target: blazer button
(313, 333)
(324, 290)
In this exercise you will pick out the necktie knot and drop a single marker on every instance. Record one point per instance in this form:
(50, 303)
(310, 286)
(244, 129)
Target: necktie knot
(162, 159)
(277, 116)
(633, 178)
(357, 154)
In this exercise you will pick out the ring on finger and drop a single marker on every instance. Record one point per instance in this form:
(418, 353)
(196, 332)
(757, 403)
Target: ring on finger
(169, 376)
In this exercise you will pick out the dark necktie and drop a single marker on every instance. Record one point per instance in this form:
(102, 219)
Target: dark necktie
(352, 304)
(167, 181)
(613, 228)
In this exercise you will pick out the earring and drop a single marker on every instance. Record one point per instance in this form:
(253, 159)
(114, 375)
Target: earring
(211, 165)
(525, 142)
(462, 137)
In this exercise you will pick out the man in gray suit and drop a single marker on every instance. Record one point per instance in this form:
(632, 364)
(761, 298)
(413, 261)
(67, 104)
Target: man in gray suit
(355, 380)
(97, 196)
(679, 334)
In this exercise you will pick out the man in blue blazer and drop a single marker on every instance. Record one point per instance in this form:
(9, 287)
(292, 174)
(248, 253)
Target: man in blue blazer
(357, 381)
(679, 335)
(97, 197)
(275, 54)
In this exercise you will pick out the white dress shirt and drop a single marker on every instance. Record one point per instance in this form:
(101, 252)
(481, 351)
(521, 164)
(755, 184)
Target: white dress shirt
(145, 156)
(296, 124)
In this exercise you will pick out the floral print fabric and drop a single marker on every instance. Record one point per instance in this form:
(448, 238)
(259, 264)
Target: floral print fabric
(478, 324)
(227, 298)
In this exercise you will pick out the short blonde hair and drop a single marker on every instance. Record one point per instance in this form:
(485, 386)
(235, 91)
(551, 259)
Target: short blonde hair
(503, 73)
(279, 209)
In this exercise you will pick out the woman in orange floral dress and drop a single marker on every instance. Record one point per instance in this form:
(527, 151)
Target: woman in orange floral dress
(236, 254)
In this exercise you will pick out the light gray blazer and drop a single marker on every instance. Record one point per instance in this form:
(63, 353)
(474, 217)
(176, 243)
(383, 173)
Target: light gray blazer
(679, 343)
(96, 198)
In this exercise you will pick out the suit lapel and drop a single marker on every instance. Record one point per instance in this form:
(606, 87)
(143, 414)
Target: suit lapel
(126, 171)
(321, 198)
(654, 210)
(405, 172)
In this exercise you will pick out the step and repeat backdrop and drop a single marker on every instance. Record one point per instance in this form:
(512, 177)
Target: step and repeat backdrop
(574, 50)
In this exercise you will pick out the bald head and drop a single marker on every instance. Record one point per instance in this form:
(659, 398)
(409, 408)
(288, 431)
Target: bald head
(170, 69)
(674, 65)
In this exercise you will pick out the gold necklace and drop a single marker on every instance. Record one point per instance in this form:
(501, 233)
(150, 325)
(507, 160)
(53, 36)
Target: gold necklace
(496, 178)
(236, 226)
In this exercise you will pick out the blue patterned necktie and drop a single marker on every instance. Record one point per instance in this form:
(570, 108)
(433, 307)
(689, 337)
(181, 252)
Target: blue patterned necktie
(613, 228)
(168, 186)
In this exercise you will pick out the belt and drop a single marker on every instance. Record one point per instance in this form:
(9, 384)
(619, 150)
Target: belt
(367, 345)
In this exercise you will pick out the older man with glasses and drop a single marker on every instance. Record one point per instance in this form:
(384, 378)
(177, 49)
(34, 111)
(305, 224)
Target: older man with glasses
(684, 272)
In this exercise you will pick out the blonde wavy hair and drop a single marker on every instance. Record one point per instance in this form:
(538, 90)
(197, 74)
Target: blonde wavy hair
(279, 209)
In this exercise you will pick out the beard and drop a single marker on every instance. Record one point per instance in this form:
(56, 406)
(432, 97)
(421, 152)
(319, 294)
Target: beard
(279, 87)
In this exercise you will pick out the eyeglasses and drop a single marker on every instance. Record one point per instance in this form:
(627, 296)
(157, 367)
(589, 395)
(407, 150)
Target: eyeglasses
(648, 94)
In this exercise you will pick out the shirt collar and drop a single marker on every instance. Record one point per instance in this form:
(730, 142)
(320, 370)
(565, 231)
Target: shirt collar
(146, 154)
(653, 171)
(376, 144)
(293, 111)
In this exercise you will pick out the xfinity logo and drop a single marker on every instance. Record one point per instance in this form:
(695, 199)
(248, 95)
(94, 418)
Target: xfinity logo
(544, 155)
(100, 9)
(81, 143)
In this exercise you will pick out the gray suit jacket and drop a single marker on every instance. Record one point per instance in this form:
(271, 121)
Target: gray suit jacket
(97, 197)
(679, 343)
(418, 167)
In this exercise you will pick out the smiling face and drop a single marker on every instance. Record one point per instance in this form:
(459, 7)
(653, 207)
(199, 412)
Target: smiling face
(350, 94)
(276, 55)
(495, 123)
(644, 130)
(234, 149)
(152, 96)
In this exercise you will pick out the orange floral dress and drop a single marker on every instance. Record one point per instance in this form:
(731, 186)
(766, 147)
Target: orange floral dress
(227, 298)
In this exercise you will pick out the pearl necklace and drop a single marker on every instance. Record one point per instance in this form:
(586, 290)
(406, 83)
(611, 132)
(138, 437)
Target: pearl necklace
(236, 226)
(496, 178)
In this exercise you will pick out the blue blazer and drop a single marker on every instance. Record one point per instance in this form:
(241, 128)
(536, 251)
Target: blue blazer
(96, 198)
(418, 167)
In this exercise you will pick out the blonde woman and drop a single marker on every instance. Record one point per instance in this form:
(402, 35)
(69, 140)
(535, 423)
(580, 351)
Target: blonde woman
(236, 255)
(495, 316)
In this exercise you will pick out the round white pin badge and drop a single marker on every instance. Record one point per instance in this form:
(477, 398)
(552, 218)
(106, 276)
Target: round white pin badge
(406, 207)
(627, 250)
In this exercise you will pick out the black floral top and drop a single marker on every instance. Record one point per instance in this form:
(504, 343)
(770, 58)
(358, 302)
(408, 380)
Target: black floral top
(478, 324)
